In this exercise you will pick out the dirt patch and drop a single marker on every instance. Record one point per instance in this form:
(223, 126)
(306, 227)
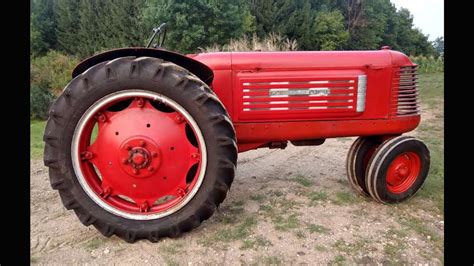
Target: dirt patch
(285, 206)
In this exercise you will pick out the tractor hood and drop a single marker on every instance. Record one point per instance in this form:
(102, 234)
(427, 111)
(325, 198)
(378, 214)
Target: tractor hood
(301, 60)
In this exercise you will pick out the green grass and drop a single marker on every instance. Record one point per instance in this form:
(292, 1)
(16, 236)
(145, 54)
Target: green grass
(395, 245)
(314, 228)
(300, 234)
(344, 198)
(417, 225)
(34, 260)
(432, 133)
(259, 241)
(273, 260)
(431, 88)
(231, 214)
(258, 197)
(237, 231)
(317, 196)
(338, 260)
(94, 243)
(320, 248)
(302, 180)
(172, 248)
(36, 139)
(286, 223)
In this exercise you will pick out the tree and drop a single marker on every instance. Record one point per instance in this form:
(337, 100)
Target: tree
(438, 45)
(365, 22)
(329, 31)
(86, 27)
(198, 23)
(42, 27)
(67, 15)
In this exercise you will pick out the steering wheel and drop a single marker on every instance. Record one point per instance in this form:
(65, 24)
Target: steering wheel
(161, 32)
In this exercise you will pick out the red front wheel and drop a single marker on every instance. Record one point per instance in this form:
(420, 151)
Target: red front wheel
(140, 148)
(397, 169)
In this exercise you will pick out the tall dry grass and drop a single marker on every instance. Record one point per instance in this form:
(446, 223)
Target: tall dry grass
(271, 42)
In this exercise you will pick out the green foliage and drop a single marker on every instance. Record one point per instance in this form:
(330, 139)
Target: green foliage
(67, 17)
(85, 27)
(42, 27)
(52, 71)
(329, 32)
(200, 23)
(40, 100)
(438, 45)
(429, 64)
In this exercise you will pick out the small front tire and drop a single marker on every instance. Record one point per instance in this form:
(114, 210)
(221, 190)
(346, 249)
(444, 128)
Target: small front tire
(357, 159)
(398, 169)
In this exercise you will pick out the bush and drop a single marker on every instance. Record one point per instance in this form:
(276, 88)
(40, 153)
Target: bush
(40, 100)
(52, 71)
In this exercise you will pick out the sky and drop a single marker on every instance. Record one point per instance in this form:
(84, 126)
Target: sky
(428, 15)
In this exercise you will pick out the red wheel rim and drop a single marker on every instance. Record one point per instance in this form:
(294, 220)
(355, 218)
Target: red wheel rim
(403, 172)
(148, 158)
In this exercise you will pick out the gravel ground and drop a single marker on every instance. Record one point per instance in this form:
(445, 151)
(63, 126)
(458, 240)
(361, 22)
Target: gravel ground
(291, 206)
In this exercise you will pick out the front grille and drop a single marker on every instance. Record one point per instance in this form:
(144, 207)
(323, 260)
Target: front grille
(405, 92)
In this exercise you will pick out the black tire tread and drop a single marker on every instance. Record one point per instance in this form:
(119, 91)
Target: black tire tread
(63, 179)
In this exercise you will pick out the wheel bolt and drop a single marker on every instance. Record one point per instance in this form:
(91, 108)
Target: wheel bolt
(106, 192)
(181, 192)
(154, 153)
(142, 143)
(128, 147)
(135, 171)
(140, 102)
(125, 161)
(101, 118)
(179, 119)
(144, 207)
(87, 155)
(151, 168)
(195, 156)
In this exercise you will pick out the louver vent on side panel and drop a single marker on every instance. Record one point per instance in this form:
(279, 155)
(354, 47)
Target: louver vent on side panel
(405, 92)
(318, 95)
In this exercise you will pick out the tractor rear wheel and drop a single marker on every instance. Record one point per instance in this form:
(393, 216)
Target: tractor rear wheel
(356, 163)
(397, 169)
(140, 148)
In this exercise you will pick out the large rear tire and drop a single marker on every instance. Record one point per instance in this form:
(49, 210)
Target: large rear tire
(164, 156)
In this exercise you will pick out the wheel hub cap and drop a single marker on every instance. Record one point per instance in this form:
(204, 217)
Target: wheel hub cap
(403, 172)
(139, 157)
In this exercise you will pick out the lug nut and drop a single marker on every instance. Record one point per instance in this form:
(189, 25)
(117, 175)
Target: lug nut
(181, 192)
(106, 192)
(128, 147)
(144, 207)
(140, 102)
(179, 119)
(87, 155)
(195, 156)
(151, 168)
(154, 153)
(142, 143)
(125, 161)
(135, 171)
(101, 118)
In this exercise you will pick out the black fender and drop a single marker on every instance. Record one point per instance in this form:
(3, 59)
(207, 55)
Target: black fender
(197, 68)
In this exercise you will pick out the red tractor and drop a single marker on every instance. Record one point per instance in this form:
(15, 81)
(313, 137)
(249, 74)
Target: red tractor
(143, 142)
